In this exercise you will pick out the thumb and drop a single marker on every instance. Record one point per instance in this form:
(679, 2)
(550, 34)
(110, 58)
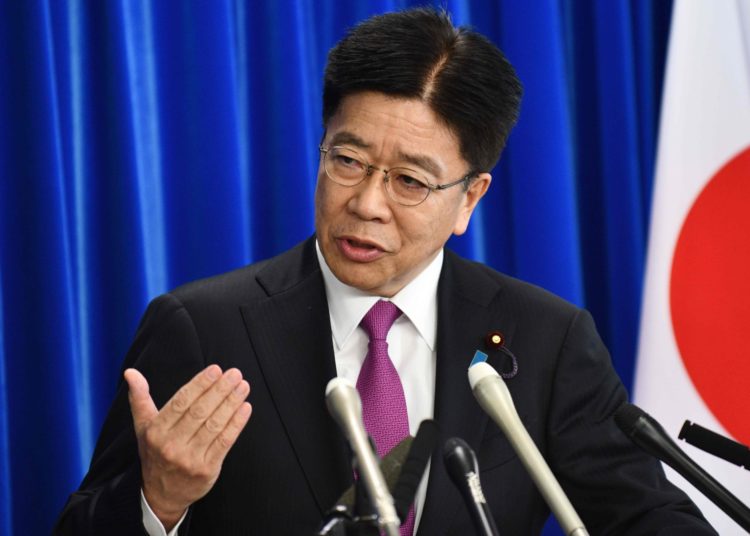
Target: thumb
(141, 404)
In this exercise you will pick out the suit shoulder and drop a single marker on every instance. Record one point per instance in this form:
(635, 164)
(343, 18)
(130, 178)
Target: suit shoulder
(520, 296)
(234, 285)
(251, 282)
(480, 274)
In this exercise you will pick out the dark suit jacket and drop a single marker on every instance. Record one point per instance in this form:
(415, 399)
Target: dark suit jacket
(290, 464)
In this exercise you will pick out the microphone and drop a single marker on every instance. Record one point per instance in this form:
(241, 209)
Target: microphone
(715, 444)
(341, 518)
(345, 407)
(463, 468)
(644, 431)
(493, 395)
(391, 466)
(414, 467)
(403, 468)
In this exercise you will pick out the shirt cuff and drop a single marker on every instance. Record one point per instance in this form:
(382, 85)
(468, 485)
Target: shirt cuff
(152, 524)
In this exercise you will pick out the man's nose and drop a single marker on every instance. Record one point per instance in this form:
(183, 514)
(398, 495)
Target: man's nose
(370, 200)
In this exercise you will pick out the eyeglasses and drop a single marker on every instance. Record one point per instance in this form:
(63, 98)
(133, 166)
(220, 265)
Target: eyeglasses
(405, 186)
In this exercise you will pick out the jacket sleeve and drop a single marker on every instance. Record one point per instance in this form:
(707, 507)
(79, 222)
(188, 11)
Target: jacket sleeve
(615, 487)
(167, 351)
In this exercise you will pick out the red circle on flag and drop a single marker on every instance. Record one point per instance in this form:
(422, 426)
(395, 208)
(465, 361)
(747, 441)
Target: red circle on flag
(710, 295)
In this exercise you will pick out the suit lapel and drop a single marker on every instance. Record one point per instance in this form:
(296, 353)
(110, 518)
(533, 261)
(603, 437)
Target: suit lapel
(291, 335)
(466, 312)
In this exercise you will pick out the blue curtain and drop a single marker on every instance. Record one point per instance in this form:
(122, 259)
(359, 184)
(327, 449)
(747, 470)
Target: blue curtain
(145, 144)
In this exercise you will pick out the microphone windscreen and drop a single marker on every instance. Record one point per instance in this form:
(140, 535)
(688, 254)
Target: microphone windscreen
(394, 462)
(414, 466)
(459, 458)
(627, 416)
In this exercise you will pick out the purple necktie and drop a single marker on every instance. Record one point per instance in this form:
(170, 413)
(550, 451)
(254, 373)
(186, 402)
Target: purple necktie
(379, 386)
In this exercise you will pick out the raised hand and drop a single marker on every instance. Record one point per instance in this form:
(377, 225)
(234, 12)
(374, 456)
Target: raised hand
(183, 445)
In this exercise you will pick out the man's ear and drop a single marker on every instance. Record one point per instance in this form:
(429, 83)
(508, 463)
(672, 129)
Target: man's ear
(476, 191)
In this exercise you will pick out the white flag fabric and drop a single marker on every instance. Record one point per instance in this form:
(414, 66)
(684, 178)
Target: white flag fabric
(694, 346)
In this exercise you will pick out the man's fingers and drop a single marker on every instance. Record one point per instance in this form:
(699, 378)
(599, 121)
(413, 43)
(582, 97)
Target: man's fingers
(205, 405)
(141, 405)
(217, 421)
(186, 396)
(218, 449)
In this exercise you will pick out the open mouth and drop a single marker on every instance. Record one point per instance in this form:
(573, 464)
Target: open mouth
(359, 251)
(363, 245)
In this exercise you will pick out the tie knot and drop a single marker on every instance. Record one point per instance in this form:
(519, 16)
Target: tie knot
(379, 319)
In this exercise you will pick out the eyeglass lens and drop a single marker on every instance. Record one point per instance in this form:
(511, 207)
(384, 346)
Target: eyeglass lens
(348, 168)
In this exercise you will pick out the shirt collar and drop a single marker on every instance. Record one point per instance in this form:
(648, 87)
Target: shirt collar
(417, 300)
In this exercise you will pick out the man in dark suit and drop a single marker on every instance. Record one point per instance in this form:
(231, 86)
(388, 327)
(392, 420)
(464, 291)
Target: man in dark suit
(416, 113)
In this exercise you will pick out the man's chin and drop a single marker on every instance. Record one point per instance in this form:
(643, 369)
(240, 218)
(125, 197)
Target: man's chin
(361, 277)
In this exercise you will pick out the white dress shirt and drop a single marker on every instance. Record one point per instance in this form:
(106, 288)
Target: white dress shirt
(411, 347)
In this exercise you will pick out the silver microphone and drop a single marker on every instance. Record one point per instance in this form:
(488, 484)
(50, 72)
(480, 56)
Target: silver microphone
(493, 395)
(345, 407)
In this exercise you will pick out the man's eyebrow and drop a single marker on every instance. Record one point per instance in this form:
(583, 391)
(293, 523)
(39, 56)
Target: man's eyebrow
(423, 161)
(347, 138)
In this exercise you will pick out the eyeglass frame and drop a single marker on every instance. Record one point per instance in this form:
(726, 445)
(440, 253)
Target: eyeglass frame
(370, 168)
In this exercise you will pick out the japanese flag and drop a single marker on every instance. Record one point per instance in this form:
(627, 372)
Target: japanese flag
(694, 347)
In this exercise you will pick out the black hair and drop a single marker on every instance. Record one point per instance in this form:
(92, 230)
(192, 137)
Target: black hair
(418, 53)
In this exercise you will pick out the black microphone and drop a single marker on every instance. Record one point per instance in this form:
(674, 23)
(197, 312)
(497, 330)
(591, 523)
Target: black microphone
(414, 467)
(648, 434)
(463, 468)
(715, 444)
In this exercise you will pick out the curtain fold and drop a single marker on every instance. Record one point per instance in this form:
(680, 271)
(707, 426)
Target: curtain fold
(6, 510)
(146, 144)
